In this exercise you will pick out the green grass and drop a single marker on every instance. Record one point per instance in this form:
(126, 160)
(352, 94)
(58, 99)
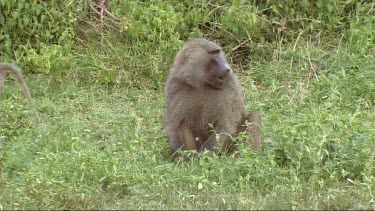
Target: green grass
(101, 147)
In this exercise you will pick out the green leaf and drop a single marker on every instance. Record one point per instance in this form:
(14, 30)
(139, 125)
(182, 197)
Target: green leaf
(200, 186)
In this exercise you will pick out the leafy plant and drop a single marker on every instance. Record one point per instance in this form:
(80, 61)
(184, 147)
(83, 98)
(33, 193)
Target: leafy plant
(29, 27)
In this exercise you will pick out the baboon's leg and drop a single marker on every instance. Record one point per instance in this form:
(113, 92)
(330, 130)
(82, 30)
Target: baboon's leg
(175, 144)
(218, 141)
(187, 137)
(252, 124)
(182, 139)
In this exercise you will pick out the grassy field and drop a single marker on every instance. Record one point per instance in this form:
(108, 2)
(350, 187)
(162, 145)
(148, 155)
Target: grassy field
(102, 147)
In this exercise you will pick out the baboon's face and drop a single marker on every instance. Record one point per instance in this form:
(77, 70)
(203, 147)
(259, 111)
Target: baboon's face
(216, 69)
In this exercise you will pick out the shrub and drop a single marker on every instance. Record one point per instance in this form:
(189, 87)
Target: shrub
(29, 28)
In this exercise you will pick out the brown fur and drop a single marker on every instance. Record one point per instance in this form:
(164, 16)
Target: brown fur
(252, 124)
(197, 97)
(4, 67)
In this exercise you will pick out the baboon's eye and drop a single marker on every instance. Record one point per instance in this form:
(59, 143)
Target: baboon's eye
(216, 51)
(214, 62)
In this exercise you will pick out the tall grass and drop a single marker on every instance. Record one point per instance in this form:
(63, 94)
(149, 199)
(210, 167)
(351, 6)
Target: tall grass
(101, 147)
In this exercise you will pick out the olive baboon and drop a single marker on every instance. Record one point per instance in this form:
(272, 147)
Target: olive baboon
(202, 91)
(4, 67)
